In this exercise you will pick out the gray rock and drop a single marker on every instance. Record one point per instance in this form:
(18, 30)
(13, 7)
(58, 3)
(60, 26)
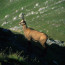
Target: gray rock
(58, 42)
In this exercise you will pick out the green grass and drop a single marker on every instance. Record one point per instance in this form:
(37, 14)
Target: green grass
(51, 19)
(16, 58)
(13, 58)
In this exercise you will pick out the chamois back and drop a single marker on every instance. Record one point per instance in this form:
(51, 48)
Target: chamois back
(36, 36)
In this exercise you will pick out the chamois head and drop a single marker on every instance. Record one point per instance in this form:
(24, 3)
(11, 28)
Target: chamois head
(22, 23)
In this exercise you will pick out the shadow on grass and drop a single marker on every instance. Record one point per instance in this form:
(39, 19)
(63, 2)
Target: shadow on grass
(53, 55)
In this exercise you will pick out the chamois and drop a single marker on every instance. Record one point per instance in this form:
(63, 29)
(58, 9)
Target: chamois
(33, 34)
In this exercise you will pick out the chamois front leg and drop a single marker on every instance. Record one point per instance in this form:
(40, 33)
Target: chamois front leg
(29, 48)
(28, 38)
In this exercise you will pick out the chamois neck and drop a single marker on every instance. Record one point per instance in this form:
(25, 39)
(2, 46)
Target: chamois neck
(24, 27)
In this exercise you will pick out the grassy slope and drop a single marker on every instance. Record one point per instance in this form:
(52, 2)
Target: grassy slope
(45, 16)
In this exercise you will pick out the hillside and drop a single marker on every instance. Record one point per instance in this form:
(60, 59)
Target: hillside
(43, 15)
(46, 16)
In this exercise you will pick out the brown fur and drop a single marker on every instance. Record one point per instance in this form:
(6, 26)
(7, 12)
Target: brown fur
(33, 34)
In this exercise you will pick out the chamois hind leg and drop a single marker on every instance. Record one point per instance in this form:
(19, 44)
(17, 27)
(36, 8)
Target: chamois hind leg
(43, 43)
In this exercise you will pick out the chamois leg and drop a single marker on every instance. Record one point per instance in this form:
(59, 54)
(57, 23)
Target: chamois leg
(43, 43)
(29, 46)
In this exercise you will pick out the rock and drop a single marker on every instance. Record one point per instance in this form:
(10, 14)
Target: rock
(58, 42)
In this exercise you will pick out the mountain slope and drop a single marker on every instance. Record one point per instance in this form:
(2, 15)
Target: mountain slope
(45, 16)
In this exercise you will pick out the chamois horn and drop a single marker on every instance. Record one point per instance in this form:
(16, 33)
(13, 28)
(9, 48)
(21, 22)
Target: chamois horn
(22, 16)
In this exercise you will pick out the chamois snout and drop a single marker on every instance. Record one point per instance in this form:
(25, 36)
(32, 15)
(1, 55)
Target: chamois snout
(22, 22)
